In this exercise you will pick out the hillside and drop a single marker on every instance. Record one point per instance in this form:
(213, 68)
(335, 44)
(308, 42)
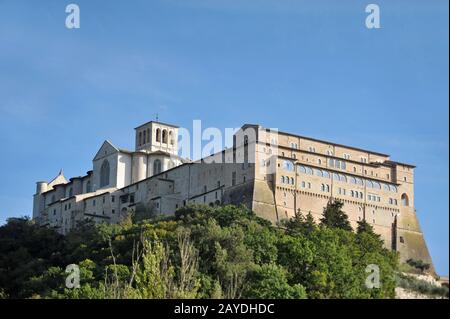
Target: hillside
(201, 252)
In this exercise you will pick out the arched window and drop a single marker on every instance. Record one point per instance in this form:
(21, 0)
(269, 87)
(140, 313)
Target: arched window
(302, 169)
(335, 177)
(393, 188)
(309, 171)
(352, 180)
(292, 181)
(148, 135)
(360, 195)
(170, 138)
(164, 136)
(352, 193)
(318, 172)
(331, 162)
(322, 187)
(376, 185)
(342, 178)
(328, 188)
(369, 184)
(405, 200)
(158, 135)
(156, 167)
(70, 192)
(104, 174)
(53, 198)
(326, 174)
(88, 187)
(288, 166)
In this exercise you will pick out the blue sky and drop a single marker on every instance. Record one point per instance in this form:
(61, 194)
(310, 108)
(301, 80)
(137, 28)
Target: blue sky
(307, 67)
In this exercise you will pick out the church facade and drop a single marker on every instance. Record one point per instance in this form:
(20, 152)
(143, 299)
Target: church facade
(273, 173)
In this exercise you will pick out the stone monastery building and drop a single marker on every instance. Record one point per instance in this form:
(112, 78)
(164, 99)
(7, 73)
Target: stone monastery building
(273, 173)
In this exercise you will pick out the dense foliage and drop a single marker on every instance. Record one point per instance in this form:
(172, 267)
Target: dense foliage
(201, 252)
(420, 265)
(411, 283)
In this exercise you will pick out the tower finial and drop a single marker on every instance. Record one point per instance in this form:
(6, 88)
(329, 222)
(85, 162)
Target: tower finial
(157, 117)
(61, 172)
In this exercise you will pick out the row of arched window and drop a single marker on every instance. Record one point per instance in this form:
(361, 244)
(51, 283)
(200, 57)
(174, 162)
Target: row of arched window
(163, 136)
(287, 180)
(373, 198)
(144, 137)
(393, 201)
(337, 163)
(353, 193)
(356, 194)
(342, 178)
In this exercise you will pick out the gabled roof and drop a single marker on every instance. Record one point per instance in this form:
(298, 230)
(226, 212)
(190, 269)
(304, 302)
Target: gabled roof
(59, 179)
(105, 144)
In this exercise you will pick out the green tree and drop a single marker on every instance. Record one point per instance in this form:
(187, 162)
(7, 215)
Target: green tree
(201, 252)
(418, 264)
(364, 227)
(299, 224)
(334, 216)
(26, 250)
(269, 281)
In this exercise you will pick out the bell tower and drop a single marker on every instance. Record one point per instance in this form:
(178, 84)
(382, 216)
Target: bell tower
(156, 136)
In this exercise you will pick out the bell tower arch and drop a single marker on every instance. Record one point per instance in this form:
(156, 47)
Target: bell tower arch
(157, 136)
